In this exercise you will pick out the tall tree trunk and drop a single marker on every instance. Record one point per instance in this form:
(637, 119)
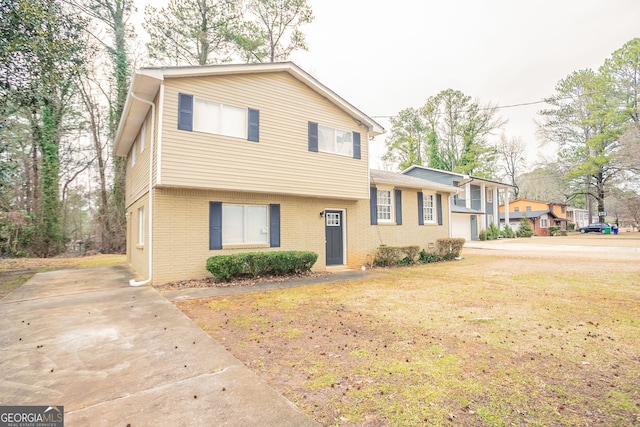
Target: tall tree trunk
(121, 74)
(50, 240)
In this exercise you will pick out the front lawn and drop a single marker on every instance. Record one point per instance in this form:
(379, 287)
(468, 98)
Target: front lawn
(486, 341)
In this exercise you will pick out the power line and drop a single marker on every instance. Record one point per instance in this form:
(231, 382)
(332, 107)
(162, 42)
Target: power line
(497, 107)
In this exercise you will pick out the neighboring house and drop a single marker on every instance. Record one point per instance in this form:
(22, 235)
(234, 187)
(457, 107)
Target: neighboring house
(475, 205)
(261, 157)
(578, 216)
(542, 215)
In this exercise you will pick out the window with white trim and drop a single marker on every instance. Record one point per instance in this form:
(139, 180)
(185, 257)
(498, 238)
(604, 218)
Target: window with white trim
(544, 222)
(489, 195)
(428, 208)
(245, 224)
(221, 119)
(385, 205)
(133, 154)
(141, 225)
(143, 136)
(335, 141)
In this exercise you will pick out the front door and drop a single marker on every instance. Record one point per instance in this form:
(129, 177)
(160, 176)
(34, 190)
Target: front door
(474, 227)
(334, 238)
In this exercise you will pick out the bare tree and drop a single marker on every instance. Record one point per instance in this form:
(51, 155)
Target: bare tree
(274, 32)
(630, 149)
(511, 159)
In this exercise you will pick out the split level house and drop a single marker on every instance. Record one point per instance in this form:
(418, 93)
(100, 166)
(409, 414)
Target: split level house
(542, 215)
(259, 157)
(475, 204)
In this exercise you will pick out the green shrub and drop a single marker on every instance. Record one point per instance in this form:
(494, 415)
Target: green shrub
(482, 235)
(429, 257)
(524, 230)
(254, 264)
(554, 230)
(400, 255)
(493, 232)
(449, 247)
(507, 232)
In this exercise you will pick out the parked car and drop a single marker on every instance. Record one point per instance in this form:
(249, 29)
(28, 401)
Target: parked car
(596, 227)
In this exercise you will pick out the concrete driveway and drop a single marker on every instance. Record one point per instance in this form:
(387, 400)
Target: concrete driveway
(113, 355)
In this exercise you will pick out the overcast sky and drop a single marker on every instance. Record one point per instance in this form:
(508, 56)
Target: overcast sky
(385, 56)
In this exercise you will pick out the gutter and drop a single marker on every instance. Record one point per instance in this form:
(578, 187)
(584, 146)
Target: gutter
(151, 140)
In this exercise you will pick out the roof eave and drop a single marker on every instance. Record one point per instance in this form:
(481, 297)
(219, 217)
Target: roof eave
(144, 87)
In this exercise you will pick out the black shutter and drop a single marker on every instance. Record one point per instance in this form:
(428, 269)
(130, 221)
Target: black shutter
(398, 197)
(373, 205)
(274, 225)
(215, 225)
(254, 125)
(185, 111)
(439, 207)
(420, 208)
(356, 145)
(313, 137)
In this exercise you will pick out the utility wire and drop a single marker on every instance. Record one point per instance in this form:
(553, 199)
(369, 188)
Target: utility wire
(496, 107)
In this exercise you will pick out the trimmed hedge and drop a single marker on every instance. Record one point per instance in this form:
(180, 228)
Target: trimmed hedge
(446, 249)
(392, 255)
(449, 247)
(254, 264)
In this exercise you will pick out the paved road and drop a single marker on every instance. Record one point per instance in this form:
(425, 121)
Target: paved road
(593, 246)
(113, 355)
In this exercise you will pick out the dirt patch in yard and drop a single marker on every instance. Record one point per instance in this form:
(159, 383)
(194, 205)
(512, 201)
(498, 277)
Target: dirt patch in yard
(495, 339)
(242, 282)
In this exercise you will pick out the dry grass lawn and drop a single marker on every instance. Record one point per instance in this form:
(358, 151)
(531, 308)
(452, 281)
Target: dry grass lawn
(497, 339)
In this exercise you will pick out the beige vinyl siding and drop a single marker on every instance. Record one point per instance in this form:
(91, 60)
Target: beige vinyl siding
(280, 162)
(137, 182)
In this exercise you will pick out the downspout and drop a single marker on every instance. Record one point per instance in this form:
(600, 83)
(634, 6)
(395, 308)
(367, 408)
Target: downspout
(151, 140)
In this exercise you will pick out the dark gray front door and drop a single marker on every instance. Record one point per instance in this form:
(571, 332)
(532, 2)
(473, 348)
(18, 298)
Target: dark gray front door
(474, 227)
(333, 235)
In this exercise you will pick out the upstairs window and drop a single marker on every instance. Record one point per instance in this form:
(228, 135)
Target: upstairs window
(335, 141)
(516, 209)
(134, 150)
(528, 208)
(221, 119)
(201, 115)
(143, 136)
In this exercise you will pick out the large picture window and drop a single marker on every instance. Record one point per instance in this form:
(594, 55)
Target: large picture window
(385, 206)
(221, 119)
(244, 224)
